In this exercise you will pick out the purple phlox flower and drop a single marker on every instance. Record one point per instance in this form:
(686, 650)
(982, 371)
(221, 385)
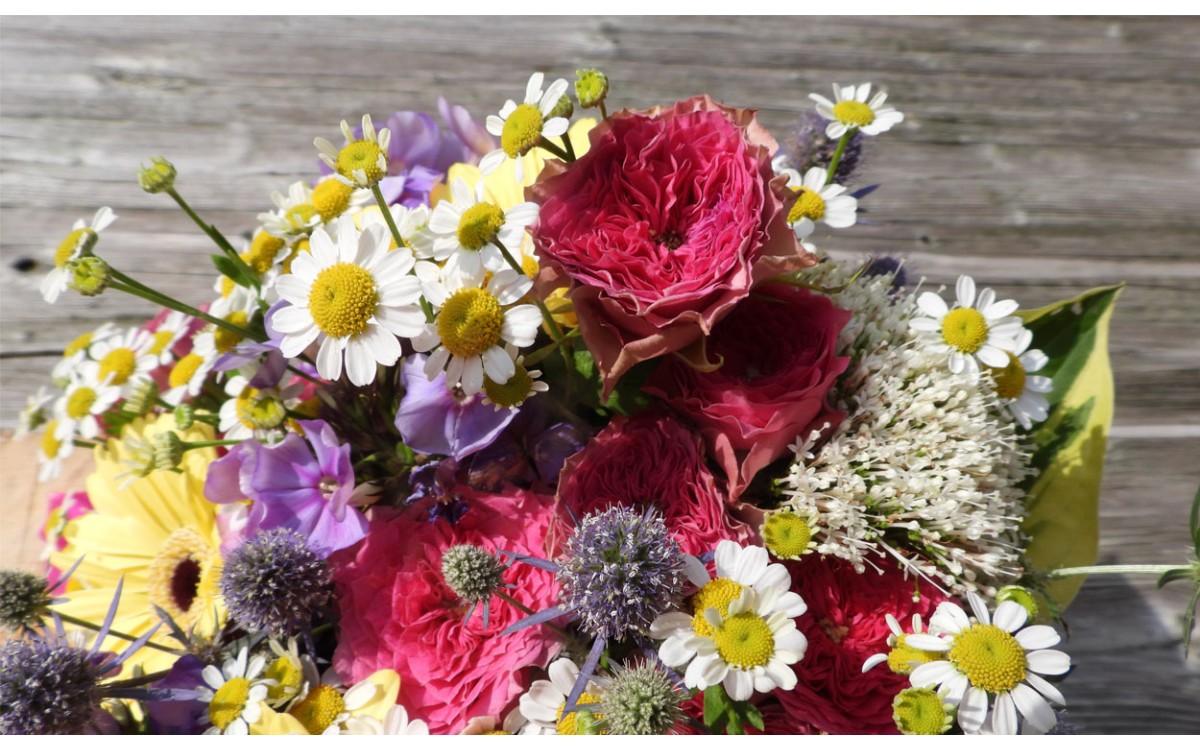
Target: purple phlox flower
(436, 480)
(436, 421)
(467, 129)
(306, 485)
(178, 716)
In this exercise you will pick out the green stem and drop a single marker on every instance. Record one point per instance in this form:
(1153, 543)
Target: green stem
(837, 155)
(133, 682)
(208, 229)
(78, 443)
(128, 285)
(545, 143)
(210, 444)
(114, 633)
(568, 146)
(603, 111)
(391, 224)
(555, 332)
(1103, 569)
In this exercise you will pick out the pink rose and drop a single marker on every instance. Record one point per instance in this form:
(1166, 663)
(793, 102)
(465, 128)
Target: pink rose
(779, 350)
(662, 227)
(397, 612)
(652, 459)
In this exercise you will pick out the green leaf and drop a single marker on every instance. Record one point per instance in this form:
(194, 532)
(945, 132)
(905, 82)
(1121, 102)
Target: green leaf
(716, 709)
(753, 716)
(1063, 496)
(1178, 574)
(241, 274)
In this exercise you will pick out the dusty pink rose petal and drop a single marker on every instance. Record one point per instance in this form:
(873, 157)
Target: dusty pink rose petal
(779, 352)
(665, 224)
(652, 460)
(397, 612)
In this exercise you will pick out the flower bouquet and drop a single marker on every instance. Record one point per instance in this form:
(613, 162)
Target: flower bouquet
(563, 424)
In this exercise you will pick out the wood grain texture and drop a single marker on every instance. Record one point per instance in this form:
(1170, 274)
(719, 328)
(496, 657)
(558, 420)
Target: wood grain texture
(1044, 156)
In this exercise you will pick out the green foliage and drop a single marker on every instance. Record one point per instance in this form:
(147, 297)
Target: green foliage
(725, 716)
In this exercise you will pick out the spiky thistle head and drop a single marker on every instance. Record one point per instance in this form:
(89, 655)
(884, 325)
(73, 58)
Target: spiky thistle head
(48, 687)
(24, 598)
(642, 700)
(472, 572)
(274, 582)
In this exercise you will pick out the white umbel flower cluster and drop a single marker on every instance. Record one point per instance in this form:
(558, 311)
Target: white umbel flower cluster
(927, 466)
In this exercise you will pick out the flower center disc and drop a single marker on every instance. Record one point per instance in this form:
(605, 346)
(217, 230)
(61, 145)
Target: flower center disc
(786, 535)
(810, 205)
(569, 724)
(902, 659)
(920, 711)
(511, 393)
(1010, 380)
(50, 444)
(718, 594)
(745, 641)
(224, 339)
(79, 404)
(75, 240)
(965, 329)
(364, 155)
(343, 299)
(161, 339)
(229, 702)
(175, 574)
(120, 364)
(319, 709)
(470, 322)
(479, 225)
(184, 369)
(260, 411)
(854, 113)
(287, 675)
(299, 216)
(331, 198)
(990, 658)
(522, 130)
(263, 249)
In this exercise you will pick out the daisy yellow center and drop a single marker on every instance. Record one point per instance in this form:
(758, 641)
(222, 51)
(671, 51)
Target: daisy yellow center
(569, 724)
(786, 535)
(331, 198)
(745, 641)
(225, 339)
(718, 593)
(512, 393)
(287, 676)
(362, 155)
(175, 574)
(903, 659)
(470, 322)
(522, 130)
(229, 702)
(184, 369)
(529, 266)
(81, 342)
(343, 299)
(120, 364)
(1010, 380)
(920, 711)
(73, 242)
(228, 284)
(260, 411)
(319, 709)
(50, 444)
(809, 205)
(989, 657)
(79, 403)
(479, 225)
(263, 250)
(161, 339)
(851, 112)
(299, 216)
(965, 329)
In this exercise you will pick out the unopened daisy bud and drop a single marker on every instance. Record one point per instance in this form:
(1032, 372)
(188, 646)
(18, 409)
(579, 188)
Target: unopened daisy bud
(564, 108)
(591, 87)
(142, 398)
(641, 700)
(142, 456)
(471, 572)
(168, 451)
(159, 177)
(922, 711)
(185, 416)
(88, 275)
(1020, 595)
(24, 598)
(274, 582)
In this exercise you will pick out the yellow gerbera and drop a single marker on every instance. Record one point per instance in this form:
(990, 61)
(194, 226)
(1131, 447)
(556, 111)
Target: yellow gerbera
(158, 532)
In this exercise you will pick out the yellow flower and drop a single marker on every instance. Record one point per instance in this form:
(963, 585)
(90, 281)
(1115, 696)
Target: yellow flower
(159, 533)
(325, 709)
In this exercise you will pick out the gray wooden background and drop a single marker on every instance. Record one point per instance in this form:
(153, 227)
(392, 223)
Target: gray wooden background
(1043, 156)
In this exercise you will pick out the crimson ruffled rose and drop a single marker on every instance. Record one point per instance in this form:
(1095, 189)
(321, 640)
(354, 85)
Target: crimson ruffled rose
(662, 227)
(845, 626)
(779, 352)
(652, 460)
(398, 613)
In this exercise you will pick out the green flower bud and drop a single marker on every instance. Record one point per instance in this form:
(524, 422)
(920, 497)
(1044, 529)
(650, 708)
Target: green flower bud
(88, 275)
(591, 87)
(1022, 596)
(158, 177)
(564, 108)
(168, 451)
(185, 416)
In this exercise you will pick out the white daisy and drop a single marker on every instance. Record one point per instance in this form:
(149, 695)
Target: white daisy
(354, 297)
(993, 664)
(473, 324)
(256, 413)
(36, 413)
(294, 215)
(749, 649)
(86, 397)
(977, 331)
(330, 708)
(169, 332)
(854, 107)
(360, 163)
(468, 228)
(51, 452)
(521, 127)
(124, 359)
(77, 352)
(817, 201)
(901, 658)
(236, 308)
(543, 704)
(411, 223)
(80, 241)
(188, 375)
(236, 694)
(522, 385)
(395, 722)
(1024, 393)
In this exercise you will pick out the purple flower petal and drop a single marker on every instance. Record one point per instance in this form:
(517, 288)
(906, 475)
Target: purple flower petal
(433, 421)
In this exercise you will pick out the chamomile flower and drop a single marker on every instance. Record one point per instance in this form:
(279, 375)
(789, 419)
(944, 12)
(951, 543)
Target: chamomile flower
(237, 308)
(992, 665)
(901, 657)
(234, 694)
(978, 331)
(38, 410)
(1023, 393)
(789, 535)
(187, 376)
(354, 297)
(411, 223)
(294, 215)
(521, 127)
(85, 399)
(853, 107)
(749, 648)
(394, 722)
(164, 338)
(52, 451)
(360, 163)
(817, 201)
(78, 243)
(122, 360)
(473, 324)
(256, 413)
(542, 706)
(521, 386)
(468, 229)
